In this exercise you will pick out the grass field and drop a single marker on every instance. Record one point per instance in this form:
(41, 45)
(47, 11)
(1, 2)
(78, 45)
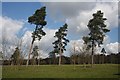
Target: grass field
(63, 71)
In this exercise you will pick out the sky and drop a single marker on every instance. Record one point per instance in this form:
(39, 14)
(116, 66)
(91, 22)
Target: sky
(76, 14)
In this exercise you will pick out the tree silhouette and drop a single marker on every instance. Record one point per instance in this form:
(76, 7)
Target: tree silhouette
(38, 18)
(97, 30)
(103, 51)
(61, 42)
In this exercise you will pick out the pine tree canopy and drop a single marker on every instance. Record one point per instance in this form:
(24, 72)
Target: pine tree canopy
(38, 18)
(97, 29)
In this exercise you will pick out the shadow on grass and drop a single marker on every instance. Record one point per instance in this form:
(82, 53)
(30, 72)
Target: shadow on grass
(117, 74)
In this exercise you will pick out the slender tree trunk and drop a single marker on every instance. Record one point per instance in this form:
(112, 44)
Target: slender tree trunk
(60, 52)
(31, 46)
(29, 54)
(92, 56)
(60, 56)
(74, 55)
(60, 60)
(92, 60)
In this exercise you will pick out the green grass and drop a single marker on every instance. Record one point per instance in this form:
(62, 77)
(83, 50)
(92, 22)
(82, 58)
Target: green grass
(63, 71)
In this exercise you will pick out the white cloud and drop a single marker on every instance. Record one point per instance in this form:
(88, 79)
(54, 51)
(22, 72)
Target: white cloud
(10, 28)
(113, 47)
(27, 37)
(67, 10)
(76, 43)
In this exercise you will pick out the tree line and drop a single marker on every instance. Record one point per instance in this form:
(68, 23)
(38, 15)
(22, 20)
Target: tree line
(75, 59)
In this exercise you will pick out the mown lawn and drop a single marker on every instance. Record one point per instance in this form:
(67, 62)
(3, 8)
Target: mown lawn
(63, 71)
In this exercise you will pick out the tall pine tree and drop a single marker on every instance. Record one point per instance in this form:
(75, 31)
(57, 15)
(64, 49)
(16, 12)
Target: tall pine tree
(38, 19)
(97, 30)
(61, 42)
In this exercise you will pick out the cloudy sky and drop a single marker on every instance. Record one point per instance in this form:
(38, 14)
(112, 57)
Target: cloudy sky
(15, 29)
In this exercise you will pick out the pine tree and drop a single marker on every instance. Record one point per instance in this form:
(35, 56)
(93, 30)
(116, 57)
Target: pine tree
(16, 56)
(61, 42)
(38, 19)
(103, 51)
(97, 30)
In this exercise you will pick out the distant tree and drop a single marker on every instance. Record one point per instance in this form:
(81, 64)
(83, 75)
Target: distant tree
(38, 18)
(16, 56)
(97, 30)
(74, 56)
(83, 53)
(103, 51)
(61, 42)
(53, 57)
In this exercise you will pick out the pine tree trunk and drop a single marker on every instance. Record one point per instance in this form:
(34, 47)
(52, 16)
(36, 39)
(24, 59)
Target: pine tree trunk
(92, 56)
(31, 46)
(60, 52)
(60, 60)
(29, 54)
(92, 61)
(60, 57)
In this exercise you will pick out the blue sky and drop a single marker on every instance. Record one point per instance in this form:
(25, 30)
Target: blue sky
(74, 14)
